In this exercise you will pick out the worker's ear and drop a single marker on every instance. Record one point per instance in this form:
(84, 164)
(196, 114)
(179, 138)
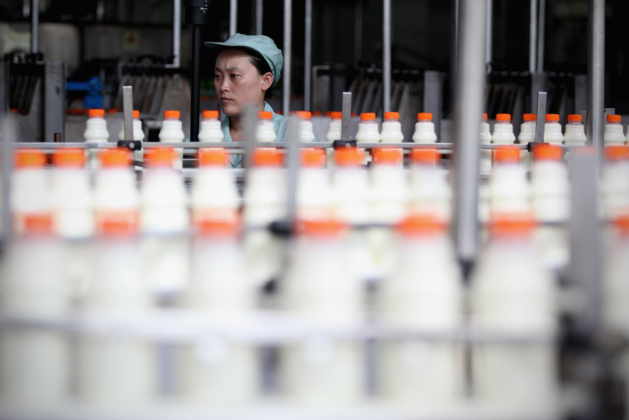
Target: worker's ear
(267, 81)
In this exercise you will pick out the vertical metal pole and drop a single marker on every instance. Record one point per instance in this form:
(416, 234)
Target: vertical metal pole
(308, 57)
(469, 93)
(259, 16)
(233, 17)
(127, 112)
(34, 26)
(541, 117)
(288, 21)
(347, 115)
(358, 30)
(177, 33)
(455, 37)
(541, 35)
(386, 55)
(489, 36)
(533, 37)
(196, 83)
(8, 136)
(596, 73)
(54, 99)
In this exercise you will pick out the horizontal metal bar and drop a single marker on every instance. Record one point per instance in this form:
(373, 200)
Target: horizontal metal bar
(261, 327)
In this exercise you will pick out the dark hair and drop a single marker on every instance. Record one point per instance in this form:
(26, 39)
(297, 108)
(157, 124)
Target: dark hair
(262, 66)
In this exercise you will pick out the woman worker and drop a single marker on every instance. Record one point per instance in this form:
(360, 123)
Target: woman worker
(247, 66)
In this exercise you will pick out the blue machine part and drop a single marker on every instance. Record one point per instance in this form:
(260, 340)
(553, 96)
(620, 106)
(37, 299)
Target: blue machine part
(93, 87)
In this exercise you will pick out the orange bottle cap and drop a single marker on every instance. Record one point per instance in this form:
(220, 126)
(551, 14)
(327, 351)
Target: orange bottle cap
(387, 155)
(336, 115)
(552, 117)
(29, 158)
(507, 154)
(217, 227)
(511, 225)
(391, 115)
(529, 117)
(171, 114)
(69, 158)
(420, 224)
(323, 227)
(117, 223)
(425, 156)
(96, 113)
(622, 223)
(267, 156)
(349, 156)
(136, 114)
(313, 158)
(115, 158)
(614, 118)
(210, 115)
(162, 157)
(316, 114)
(424, 116)
(306, 115)
(575, 118)
(616, 153)
(545, 151)
(484, 116)
(213, 157)
(38, 223)
(265, 115)
(503, 117)
(367, 116)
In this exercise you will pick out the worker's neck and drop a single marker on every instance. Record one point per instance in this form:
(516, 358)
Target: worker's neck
(236, 126)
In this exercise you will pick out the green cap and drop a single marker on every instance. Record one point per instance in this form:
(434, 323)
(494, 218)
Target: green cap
(261, 44)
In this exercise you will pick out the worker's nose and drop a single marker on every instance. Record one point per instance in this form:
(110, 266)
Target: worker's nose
(222, 85)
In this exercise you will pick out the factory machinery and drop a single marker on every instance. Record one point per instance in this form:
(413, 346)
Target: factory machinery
(477, 328)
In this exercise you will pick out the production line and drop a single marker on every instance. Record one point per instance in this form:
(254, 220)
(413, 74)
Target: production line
(396, 265)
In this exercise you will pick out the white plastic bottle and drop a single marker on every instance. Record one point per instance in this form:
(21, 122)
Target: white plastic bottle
(615, 285)
(614, 182)
(138, 134)
(614, 133)
(512, 293)
(114, 370)
(216, 369)
(575, 130)
(503, 130)
(424, 291)
(314, 191)
(552, 130)
(350, 182)
(164, 222)
(389, 203)
(424, 129)
(485, 138)
(550, 199)
(318, 287)
(306, 133)
(73, 216)
(34, 362)
(264, 202)
(30, 188)
(368, 129)
(95, 132)
(172, 132)
(391, 128)
(429, 190)
(265, 130)
(509, 189)
(213, 195)
(334, 129)
(210, 131)
(527, 135)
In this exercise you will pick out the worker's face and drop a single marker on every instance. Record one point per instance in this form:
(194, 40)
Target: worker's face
(238, 83)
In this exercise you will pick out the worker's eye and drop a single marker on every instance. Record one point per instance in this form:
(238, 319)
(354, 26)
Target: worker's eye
(235, 76)
(217, 76)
